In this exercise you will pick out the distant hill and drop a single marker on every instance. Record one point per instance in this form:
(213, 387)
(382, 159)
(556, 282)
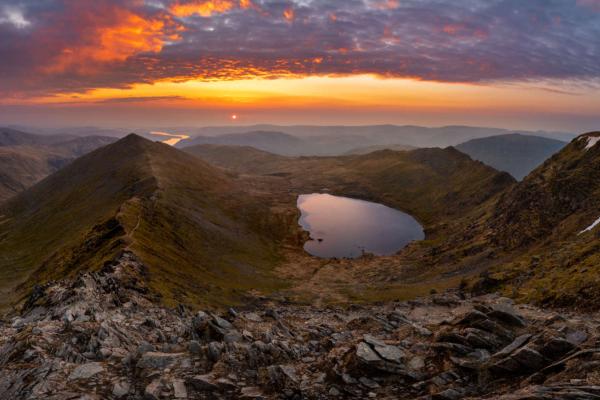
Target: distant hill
(335, 140)
(274, 142)
(202, 238)
(370, 149)
(516, 154)
(27, 158)
(13, 137)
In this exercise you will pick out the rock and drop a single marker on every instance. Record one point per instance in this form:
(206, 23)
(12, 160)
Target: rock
(179, 389)
(232, 336)
(221, 323)
(18, 323)
(194, 347)
(576, 337)
(252, 317)
(448, 394)
(145, 347)
(556, 348)
(373, 341)
(416, 363)
(121, 389)
(86, 371)
(529, 358)
(282, 376)
(505, 313)
(518, 342)
(152, 391)
(366, 354)
(251, 393)
(156, 360)
(482, 339)
(214, 351)
(368, 383)
(203, 383)
(390, 353)
(471, 317)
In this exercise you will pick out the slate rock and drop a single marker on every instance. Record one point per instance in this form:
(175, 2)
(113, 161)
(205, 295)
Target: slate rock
(86, 371)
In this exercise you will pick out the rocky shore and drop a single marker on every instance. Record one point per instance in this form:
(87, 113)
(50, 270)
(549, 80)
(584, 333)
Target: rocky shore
(101, 336)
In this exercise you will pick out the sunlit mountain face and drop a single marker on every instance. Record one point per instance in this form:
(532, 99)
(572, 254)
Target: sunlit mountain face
(509, 63)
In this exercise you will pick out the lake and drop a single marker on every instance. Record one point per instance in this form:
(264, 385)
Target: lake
(342, 227)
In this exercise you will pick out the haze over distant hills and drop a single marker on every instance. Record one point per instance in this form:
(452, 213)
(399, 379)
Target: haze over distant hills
(336, 140)
(516, 154)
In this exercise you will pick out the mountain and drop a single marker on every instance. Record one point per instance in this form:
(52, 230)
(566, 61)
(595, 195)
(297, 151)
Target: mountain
(274, 142)
(516, 154)
(548, 225)
(202, 238)
(370, 149)
(27, 158)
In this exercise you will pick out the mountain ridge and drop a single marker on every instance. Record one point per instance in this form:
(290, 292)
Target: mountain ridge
(172, 210)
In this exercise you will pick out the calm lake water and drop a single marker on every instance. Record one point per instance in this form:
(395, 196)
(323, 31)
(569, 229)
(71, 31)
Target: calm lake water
(342, 227)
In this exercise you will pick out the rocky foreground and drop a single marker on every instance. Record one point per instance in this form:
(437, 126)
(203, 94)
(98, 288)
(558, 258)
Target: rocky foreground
(101, 337)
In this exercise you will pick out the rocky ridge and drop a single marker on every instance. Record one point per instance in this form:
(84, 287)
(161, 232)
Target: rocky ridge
(101, 336)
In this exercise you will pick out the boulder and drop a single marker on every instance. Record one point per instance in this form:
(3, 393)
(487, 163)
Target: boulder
(86, 371)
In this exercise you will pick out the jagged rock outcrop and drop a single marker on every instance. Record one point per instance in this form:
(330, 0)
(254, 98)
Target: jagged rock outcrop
(99, 336)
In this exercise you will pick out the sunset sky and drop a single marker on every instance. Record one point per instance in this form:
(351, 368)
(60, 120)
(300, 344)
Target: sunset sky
(532, 64)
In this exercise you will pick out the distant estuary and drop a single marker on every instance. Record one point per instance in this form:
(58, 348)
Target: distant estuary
(342, 227)
(173, 139)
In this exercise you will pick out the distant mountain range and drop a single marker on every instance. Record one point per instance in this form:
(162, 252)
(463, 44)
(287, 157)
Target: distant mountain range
(27, 158)
(337, 140)
(516, 154)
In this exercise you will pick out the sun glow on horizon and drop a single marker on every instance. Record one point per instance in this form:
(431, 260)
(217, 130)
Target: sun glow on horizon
(358, 91)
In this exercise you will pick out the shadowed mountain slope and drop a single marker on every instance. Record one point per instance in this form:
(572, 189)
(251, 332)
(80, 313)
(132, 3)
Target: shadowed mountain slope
(243, 159)
(201, 237)
(516, 154)
(549, 223)
(370, 149)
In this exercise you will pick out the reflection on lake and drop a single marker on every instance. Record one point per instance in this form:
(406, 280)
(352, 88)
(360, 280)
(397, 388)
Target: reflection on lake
(174, 138)
(343, 227)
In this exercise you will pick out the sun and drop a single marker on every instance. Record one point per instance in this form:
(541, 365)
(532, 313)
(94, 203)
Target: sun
(234, 117)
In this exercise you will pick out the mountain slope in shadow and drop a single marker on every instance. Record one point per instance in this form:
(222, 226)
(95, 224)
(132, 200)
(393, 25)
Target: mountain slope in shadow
(516, 154)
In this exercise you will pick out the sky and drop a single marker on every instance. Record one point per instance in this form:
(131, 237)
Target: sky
(522, 64)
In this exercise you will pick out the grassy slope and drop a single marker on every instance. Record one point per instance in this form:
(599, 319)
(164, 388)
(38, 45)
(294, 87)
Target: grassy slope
(177, 213)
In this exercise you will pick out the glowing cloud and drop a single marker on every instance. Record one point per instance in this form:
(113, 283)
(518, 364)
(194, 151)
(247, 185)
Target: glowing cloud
(205, 8)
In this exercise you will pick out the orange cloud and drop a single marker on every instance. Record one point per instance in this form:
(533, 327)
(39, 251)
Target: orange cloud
(289, 14)
(125, 35)
(206, 8)
(386, 4)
